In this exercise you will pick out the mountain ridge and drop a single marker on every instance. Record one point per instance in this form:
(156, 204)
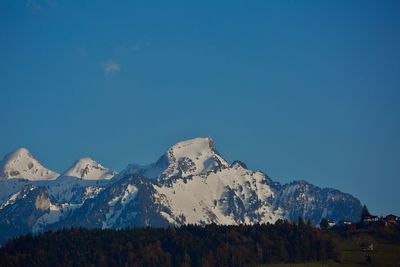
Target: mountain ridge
(191, 183)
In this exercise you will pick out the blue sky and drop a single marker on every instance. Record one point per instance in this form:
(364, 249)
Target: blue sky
(299, 89)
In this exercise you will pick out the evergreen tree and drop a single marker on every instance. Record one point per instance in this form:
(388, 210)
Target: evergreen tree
(324, 224)
(364, 213)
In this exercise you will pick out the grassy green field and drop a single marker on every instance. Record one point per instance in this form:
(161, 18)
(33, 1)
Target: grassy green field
(384, 255)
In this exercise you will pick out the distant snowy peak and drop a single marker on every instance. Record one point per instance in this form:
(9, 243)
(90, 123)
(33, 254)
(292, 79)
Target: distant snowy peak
(197, 149)
(191, 157)
(89, 169)
(21, 164)
(195, 156)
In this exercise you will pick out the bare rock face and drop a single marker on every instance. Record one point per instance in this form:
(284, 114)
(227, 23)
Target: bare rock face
(42, 202)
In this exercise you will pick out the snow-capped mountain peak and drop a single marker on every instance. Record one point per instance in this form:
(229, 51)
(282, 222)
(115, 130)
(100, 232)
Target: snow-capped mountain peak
(193, 148)
(89, 169)
(195, 156)
(191, 157)
(21, 164)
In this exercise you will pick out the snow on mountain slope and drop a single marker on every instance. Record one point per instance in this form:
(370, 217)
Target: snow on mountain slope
(64, 189)
(88, 169)
(73, 190)
(60, 197)
(21, 164)
(117, 204)
(16, 196)
(232, 195)
(8, 187)
(194, 184)
(126, 202)
(190, 157)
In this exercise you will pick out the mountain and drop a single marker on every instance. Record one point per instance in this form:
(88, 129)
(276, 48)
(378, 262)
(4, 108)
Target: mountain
(88, 169)
(302, 199)
(191, 183)
(23, 210)
(184, 159)
(21, 164)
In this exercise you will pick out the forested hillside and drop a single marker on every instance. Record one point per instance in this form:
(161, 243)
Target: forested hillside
(210, 245)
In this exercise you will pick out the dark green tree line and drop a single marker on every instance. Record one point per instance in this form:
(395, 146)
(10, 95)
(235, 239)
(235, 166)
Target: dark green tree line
(189, 245)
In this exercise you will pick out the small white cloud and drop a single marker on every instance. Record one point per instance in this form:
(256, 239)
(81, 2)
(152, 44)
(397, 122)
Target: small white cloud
(111, 67)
